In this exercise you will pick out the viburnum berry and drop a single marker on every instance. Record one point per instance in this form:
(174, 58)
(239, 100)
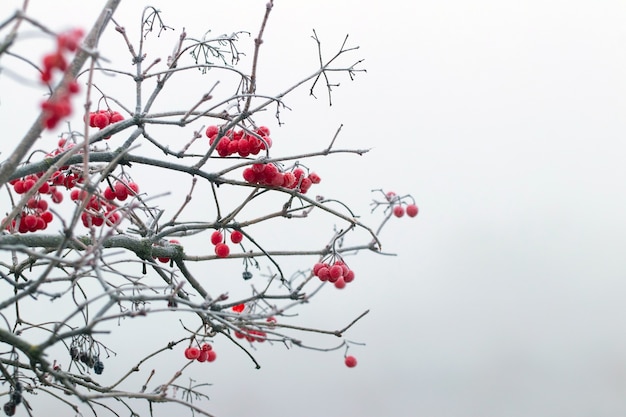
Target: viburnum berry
(315, 179)
(115, 117)
(349, 277)
(212, 131)
(222, 250)
(317, 267)
(340, 283)
(335, 272)
(411, 210)
(350, 361)
(323, 273)
(236, 236)
(239, 308)
(109, 193)
(211, 356)
(204, 354)
(121, 192)
(192, 353)
(398, 211)
(217, 237)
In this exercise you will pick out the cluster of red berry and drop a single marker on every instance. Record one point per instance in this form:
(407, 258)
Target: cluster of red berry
(59, 106)
(270, 174)
(203, 354)
(103, 118)
(221, 248)
(97, 210)
(35, 215)
(399, 208)
(240, 142)
(338, 273)
(121, 190)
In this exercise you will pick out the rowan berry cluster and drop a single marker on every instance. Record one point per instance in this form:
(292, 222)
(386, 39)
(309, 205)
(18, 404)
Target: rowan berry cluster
(336, 272)
(59, 106)
(240, 142)
(222, 250)
(103, 118)
(270, 174)
(204, 353)
(97, 211)
(35, 215)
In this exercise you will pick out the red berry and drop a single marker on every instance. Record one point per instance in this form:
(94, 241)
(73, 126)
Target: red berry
(289, 180)
(192, 353)
(57, 196)
(390, 195)
(212, 131)
(236, 236)
(398, 211)
(101, 120)
(323, 273)
(315, 179)
(121, 192)
(45, 187)
(47, 216)
(336, 271)
(115, 117)
(317, 267)
(222, 250)
(73, 87)
(42, 205)
(250, 175)
(18, 187)
(340, 283)
(411, 210)
(109, 193)
(305, 184)
(30, 221)
(206, 347)
(204, 354)
(217, 237)
(239, 308)
(349, 277)
(211, 356)
(350, 361)
(263, 131)
(134, 187)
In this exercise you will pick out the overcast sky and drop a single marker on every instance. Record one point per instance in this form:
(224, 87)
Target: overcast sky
(506, 121)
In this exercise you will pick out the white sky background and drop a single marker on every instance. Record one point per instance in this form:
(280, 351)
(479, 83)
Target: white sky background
(505, 120)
